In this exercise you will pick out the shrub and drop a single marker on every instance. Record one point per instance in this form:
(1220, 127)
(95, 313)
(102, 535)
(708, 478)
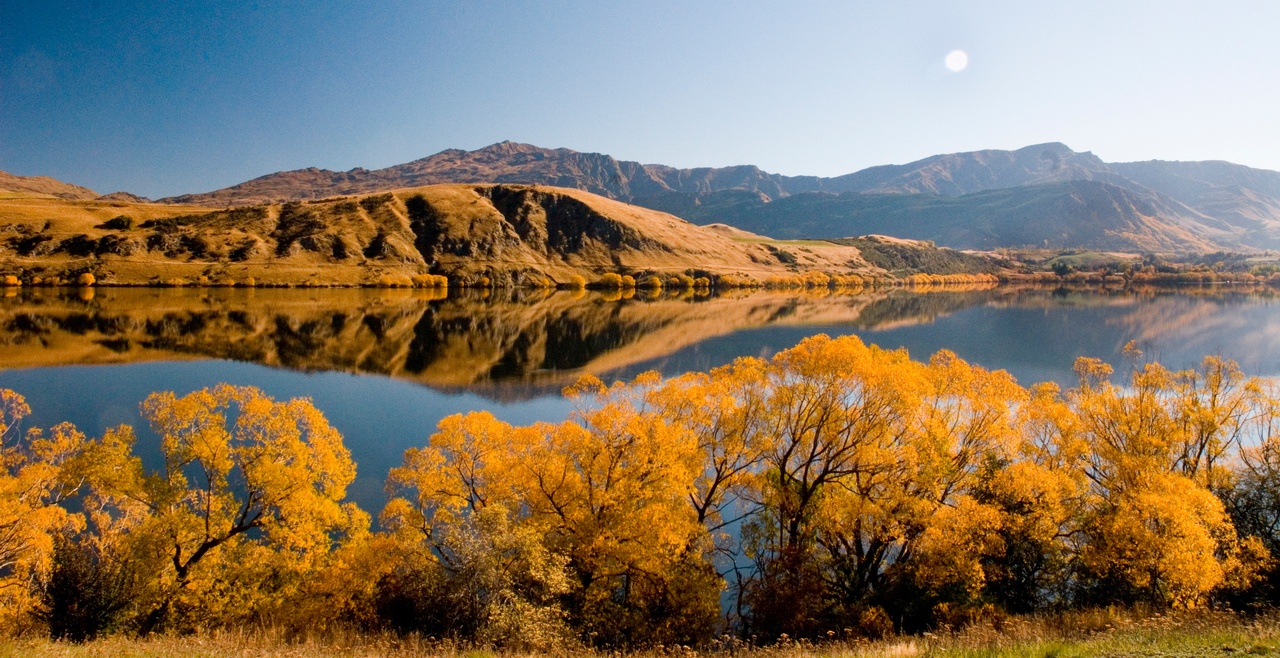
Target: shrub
(816, 280)
(117, 223)
(628, 281)
(576, 282)
(496, 585)
(736, 281)
(651, 282)
(611, 281)
(86, 279)
(430, 281)
(87, 591)
(11, 280)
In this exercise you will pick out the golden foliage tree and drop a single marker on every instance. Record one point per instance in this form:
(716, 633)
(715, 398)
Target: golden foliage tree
(250, 488)
(33, 484)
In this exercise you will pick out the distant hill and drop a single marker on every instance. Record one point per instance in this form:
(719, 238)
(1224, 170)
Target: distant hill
(43, 185)
(1171, 206)
(1070, 214)
(1243, 198)
(506, 162)
(513, 235)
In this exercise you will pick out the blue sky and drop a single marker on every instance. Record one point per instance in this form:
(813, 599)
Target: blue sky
(162, 98)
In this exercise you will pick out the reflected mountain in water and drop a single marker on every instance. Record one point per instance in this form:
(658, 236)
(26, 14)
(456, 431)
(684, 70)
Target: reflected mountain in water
(511, 346)
(520, 344)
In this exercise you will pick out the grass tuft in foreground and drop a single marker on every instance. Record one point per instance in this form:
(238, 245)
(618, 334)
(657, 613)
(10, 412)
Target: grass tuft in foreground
(1085, 634)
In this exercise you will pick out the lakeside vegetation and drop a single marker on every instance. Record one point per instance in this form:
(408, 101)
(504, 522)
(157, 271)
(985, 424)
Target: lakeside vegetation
(835, 491)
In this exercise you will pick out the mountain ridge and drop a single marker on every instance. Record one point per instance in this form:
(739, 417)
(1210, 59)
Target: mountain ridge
(1199, 206)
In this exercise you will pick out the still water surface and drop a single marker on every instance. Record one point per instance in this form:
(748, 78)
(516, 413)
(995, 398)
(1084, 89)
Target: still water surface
(386, 366)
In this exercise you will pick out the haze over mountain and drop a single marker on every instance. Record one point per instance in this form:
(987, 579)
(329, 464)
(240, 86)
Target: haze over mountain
(1040, 195)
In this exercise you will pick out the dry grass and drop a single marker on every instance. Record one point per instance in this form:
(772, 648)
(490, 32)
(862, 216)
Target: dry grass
(483, 231)
(43, 185)
(1089, 634)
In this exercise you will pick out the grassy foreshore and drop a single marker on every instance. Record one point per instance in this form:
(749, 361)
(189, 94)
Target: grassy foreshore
(1086, 634)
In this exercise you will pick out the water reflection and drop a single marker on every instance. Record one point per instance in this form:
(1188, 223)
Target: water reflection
(514, 344)
(522, 344)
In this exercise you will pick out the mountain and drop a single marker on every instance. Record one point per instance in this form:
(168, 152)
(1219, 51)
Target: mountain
(660, 185)
(43, 185)
(511, 235)
(1179, 206)
(1070, 214)
(1239, 196)
(995, 198)
(957, 174)
(506, 162)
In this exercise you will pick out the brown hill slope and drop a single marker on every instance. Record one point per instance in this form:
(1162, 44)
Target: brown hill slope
(509, 234)
(27, 185)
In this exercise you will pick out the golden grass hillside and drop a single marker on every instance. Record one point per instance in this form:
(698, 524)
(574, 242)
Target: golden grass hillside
(500, 235)
(11, 184)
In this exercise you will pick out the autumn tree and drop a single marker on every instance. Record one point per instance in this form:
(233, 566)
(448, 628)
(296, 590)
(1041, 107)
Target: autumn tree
(250, 492)
(1037, 493)
(33, 483)
(839, 414)
(607, 491)
(1152, 530)
(965, 429)
(1252, 498)
(613, 490)
(471, 565)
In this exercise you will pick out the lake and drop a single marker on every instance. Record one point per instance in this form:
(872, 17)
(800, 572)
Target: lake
(386, 365)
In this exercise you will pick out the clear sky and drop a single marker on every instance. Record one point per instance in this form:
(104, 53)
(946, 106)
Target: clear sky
(166, 97)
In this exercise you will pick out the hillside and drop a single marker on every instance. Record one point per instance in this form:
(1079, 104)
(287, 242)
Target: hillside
(508, 234)
(1242, 197)
(1054, 215)
(957, 174)
(42, 185)
(1177, 206)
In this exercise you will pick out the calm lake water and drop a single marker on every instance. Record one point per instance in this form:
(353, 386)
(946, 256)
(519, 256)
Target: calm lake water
(385, 366)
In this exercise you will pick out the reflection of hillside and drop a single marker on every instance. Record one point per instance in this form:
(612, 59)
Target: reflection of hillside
(468, 342)
(1173, 319)
(902, 308)
(508, 346)
(1153, 315)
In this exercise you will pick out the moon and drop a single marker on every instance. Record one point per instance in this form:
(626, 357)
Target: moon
(956, 61)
